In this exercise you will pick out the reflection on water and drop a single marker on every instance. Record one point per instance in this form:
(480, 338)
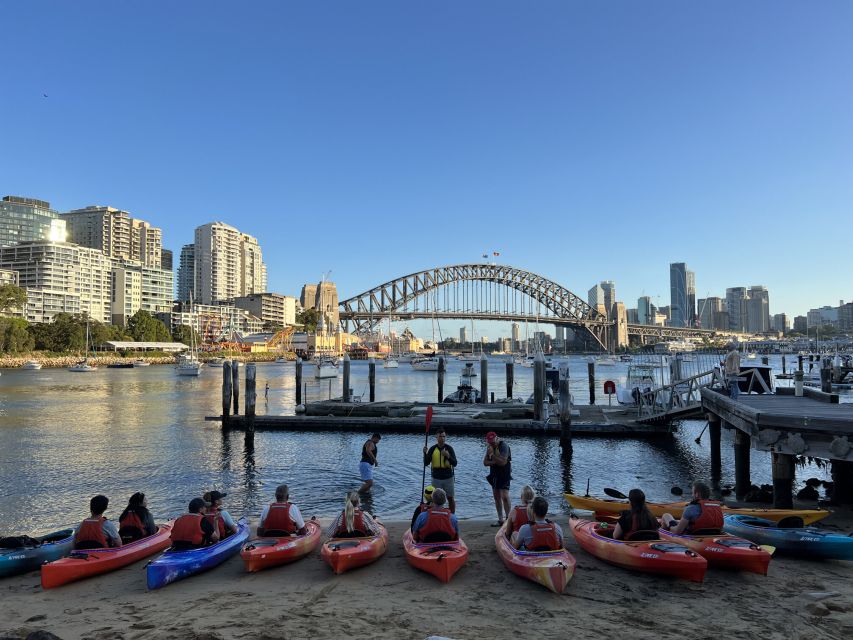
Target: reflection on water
(65, 437)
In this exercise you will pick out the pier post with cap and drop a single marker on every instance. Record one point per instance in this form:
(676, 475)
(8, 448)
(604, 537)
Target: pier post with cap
(371, 378)
(226, 393)
(510, 375)
(484, 379)
(440, 378)
(235, 379)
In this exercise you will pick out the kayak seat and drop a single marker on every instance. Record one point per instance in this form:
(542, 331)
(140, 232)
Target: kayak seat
(642, 535)
(706, 532)
(19, 542)
(791, 522)
(351, 534)
(180, 545)
(88, 544)
(274, 533)
(130, 534)
(439, 536)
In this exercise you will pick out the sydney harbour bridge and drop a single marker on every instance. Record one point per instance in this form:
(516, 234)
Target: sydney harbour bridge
(485, 291)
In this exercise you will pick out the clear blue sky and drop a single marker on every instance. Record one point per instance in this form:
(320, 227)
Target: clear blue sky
(582, 140)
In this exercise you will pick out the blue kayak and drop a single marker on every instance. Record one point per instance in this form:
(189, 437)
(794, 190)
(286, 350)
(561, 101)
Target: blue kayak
(30, 557)
(177, 565)
(802, 541)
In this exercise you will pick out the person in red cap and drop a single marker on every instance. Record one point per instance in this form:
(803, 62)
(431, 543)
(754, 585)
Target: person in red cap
(499, 460)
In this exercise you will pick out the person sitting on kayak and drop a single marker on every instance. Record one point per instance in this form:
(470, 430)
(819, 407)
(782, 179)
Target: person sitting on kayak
(96, 532)
(702, 514)
(423, 506)
(193, 530)
(136, 521)
(352, 522)
(637, 518)
(218, 516)
(541, 534)
(519, 515)
(281, 518)
(436, 524)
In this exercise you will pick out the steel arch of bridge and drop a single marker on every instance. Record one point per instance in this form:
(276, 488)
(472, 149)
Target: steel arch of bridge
(368, 309)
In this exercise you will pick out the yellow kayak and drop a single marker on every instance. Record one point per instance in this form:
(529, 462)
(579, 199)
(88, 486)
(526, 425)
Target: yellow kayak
(608, 505)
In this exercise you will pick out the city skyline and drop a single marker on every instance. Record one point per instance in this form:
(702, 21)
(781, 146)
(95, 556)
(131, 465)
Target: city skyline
(373, 139)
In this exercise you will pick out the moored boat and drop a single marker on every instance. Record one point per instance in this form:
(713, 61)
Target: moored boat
(92, 562)
(551, 569)
(22, 554)
(263, 553)
(441, 559)
(343, 554)
(31, 365)
(799, 540)
(723, 550)
(651, 556)
(606, 505)
(176, 565)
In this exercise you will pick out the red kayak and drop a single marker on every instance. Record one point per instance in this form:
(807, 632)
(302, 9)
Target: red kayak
(551, 569)
(441, 559)
(343, 554)
(263, 553)
(724, 550)
(652, 556)
(93, 562)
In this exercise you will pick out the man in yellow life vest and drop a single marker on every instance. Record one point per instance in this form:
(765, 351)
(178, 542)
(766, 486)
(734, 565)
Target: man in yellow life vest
(442, 458)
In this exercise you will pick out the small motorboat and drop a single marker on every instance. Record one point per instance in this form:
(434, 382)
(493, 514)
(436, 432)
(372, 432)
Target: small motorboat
(31, 365)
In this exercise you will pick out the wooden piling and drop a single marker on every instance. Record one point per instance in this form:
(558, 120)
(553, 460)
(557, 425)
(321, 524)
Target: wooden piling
(842, 478)
(251, 396)
(298, 380)
(784, 371)
(826, 379)
(565, 411)
(765, 360)
(783, 480)
(347, 364)
(590, 371)
(441, 367)
(484, 379)
(800, 362)
(798, 382)
(235, 387)
(371, 378)
(538, 386)
(715, 431)
(743, 482)
(510, 375)
(226, 393)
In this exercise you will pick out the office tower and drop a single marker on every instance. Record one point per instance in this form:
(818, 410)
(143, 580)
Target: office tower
(608, 288)
(691, 299)
(463, 335)
(228, 264)
(516, 336)
(712, 313)
(644, 310)
(595, 296)
(186, 273)
(780, 323)
(758, 310)
(29, 220)
(166, 259)
(116, 233)
(273, 308)
(633, 316)
(678, 303)
(845, 316)
(736, 306)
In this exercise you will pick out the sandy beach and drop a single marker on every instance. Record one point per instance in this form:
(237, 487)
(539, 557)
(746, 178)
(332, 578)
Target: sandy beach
(389, 599)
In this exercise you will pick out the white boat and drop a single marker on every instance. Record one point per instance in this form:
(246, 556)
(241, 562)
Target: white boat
(427, 363)
(468, 357)
(31, 365)
(215, 362)
(468, 371)
(641, 376)
(139, 362)
(390, 363)
(605, 361)
(281, 360)
(408, 357)
(83, 366)
(325, 367)
(189, 364)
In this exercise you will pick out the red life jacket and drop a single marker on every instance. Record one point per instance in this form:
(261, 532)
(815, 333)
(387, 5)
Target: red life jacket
(519, 518)
(438, 525)
(132, 520)
(91, 530)
(187, 528)
(220, 523)
(710, 518)
(545, 537)
(357, 524)
(278, 518)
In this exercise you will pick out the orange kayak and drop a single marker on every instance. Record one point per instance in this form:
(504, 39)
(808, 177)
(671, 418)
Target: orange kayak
(93, 562)
(263, 553)
(606, 505)
(551, 569)
(441, 559)
(651, 556)
(343, 554)
(724, 550)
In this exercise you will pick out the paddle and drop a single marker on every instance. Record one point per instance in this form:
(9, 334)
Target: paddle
(701, 433)
(615, 494)
(426, 441)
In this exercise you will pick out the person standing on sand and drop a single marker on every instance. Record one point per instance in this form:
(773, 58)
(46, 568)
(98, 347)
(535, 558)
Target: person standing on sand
(499, 460)
(442, 459)
(369, 453)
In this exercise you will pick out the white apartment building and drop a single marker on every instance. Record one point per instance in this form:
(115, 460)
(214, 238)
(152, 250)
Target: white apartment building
(227, 264)
(138, 287)
(116, 233)
(61, 277)
(274, 308)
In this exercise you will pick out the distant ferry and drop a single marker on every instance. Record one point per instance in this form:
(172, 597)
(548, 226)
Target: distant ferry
(675, 346)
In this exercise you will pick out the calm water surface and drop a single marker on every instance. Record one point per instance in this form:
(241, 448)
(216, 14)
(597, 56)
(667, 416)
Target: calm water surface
(67, 436)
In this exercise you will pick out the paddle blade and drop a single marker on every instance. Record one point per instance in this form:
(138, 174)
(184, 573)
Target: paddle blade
(428, 418)
(769, 549)
(615, 494)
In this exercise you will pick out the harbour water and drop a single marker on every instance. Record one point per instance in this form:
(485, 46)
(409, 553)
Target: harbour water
(67, 436)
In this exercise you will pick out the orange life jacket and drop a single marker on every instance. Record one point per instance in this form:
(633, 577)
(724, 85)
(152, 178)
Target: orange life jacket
(545, 537)
(710, 518)
(437, 522)
(132, 520)
(187, 528)
(220, 523)
(357, 524)
(278, 518)
(92, 530)
(519, 518)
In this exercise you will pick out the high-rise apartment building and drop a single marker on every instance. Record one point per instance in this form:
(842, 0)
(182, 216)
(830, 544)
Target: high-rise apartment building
(516, 336)
(463, 335)
(758, 310)
(780, 323)
(116, 233)
(736, 306)
(678, 289)
(801, 324)
(186, 273)
(691, 299)
(227, 264)
(29, 220)
(166, 259)
(272, 308)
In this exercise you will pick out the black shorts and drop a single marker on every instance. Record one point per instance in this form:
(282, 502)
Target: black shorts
(499, 482)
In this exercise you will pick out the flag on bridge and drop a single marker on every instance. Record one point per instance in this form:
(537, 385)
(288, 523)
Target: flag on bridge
(496, 253)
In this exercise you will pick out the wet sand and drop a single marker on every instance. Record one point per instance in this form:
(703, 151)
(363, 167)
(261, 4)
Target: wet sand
(389, 599)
